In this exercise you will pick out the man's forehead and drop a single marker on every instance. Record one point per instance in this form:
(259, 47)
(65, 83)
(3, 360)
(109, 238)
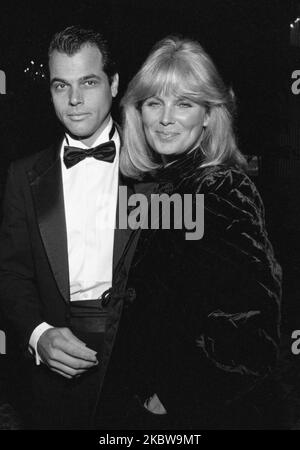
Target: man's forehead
(87, 59)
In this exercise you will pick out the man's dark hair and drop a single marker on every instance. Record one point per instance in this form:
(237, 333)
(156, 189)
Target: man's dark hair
(72, 39)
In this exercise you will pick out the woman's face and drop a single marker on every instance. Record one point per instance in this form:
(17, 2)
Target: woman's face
(172, 124)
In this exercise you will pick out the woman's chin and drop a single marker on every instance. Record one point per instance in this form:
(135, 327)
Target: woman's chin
(168, 150)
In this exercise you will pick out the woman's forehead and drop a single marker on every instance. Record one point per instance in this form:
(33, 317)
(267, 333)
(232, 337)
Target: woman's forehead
(171, 95)
(173, 80)
(176, 90)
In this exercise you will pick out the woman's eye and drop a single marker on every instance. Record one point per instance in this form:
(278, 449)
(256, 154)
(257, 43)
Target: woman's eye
(153, 104)
(184, 105)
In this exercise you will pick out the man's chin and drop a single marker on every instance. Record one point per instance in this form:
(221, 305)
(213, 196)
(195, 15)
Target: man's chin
(78, 135)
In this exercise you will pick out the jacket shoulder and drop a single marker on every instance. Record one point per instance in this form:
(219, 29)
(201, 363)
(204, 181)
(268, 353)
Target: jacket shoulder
(224, 179)
(28, 162)
(228, 185)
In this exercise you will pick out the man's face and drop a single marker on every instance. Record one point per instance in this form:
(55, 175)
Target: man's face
(81, 92)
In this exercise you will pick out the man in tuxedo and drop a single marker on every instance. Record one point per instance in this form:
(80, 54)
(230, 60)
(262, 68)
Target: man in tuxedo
(60, 245)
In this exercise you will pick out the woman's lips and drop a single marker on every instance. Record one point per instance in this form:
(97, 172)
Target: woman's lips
(166, 136)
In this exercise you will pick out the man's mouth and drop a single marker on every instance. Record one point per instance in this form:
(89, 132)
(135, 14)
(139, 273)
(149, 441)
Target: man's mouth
(77, 116)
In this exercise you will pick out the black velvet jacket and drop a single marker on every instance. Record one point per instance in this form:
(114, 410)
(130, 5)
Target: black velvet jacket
(203, 330)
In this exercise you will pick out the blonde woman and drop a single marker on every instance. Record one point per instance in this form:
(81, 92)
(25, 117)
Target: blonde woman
(203, 331)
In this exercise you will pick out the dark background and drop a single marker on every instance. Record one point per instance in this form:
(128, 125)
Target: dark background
(247, 39)
(249, 42)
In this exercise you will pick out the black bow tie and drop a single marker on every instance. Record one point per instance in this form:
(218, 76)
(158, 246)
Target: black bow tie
(103, 152)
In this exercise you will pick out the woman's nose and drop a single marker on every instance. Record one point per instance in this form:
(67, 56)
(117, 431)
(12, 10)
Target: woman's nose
(167, 116)
(75, 96)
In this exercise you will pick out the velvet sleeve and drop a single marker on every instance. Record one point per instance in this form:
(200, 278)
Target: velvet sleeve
(239, 333)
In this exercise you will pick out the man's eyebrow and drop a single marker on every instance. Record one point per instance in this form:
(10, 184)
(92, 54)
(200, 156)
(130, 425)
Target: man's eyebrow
(58, 80)
(86, 77)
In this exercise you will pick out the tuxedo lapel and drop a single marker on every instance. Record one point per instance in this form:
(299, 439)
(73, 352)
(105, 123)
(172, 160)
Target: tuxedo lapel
(123, 234)
(47, 190)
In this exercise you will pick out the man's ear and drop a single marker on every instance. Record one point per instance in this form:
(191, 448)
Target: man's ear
(114, 85)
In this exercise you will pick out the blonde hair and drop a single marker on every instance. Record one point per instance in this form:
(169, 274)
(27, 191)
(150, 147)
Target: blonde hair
(181, 67)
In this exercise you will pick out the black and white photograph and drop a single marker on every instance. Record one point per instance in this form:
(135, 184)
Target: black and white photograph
(150, 217)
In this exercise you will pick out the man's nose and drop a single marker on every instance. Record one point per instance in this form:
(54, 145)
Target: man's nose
(75, 96)
(167, 115)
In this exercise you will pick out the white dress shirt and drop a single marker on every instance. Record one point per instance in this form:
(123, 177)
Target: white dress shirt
(90, 196)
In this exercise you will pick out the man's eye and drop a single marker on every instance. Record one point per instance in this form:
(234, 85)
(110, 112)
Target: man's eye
(90, 82)
(60, 86)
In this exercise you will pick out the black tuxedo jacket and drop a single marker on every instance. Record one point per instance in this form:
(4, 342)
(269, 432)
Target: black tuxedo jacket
(34, 256)
(34, 274)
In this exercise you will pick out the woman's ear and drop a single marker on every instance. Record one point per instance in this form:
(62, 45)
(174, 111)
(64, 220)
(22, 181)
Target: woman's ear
(206, 119)
(114, 85)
